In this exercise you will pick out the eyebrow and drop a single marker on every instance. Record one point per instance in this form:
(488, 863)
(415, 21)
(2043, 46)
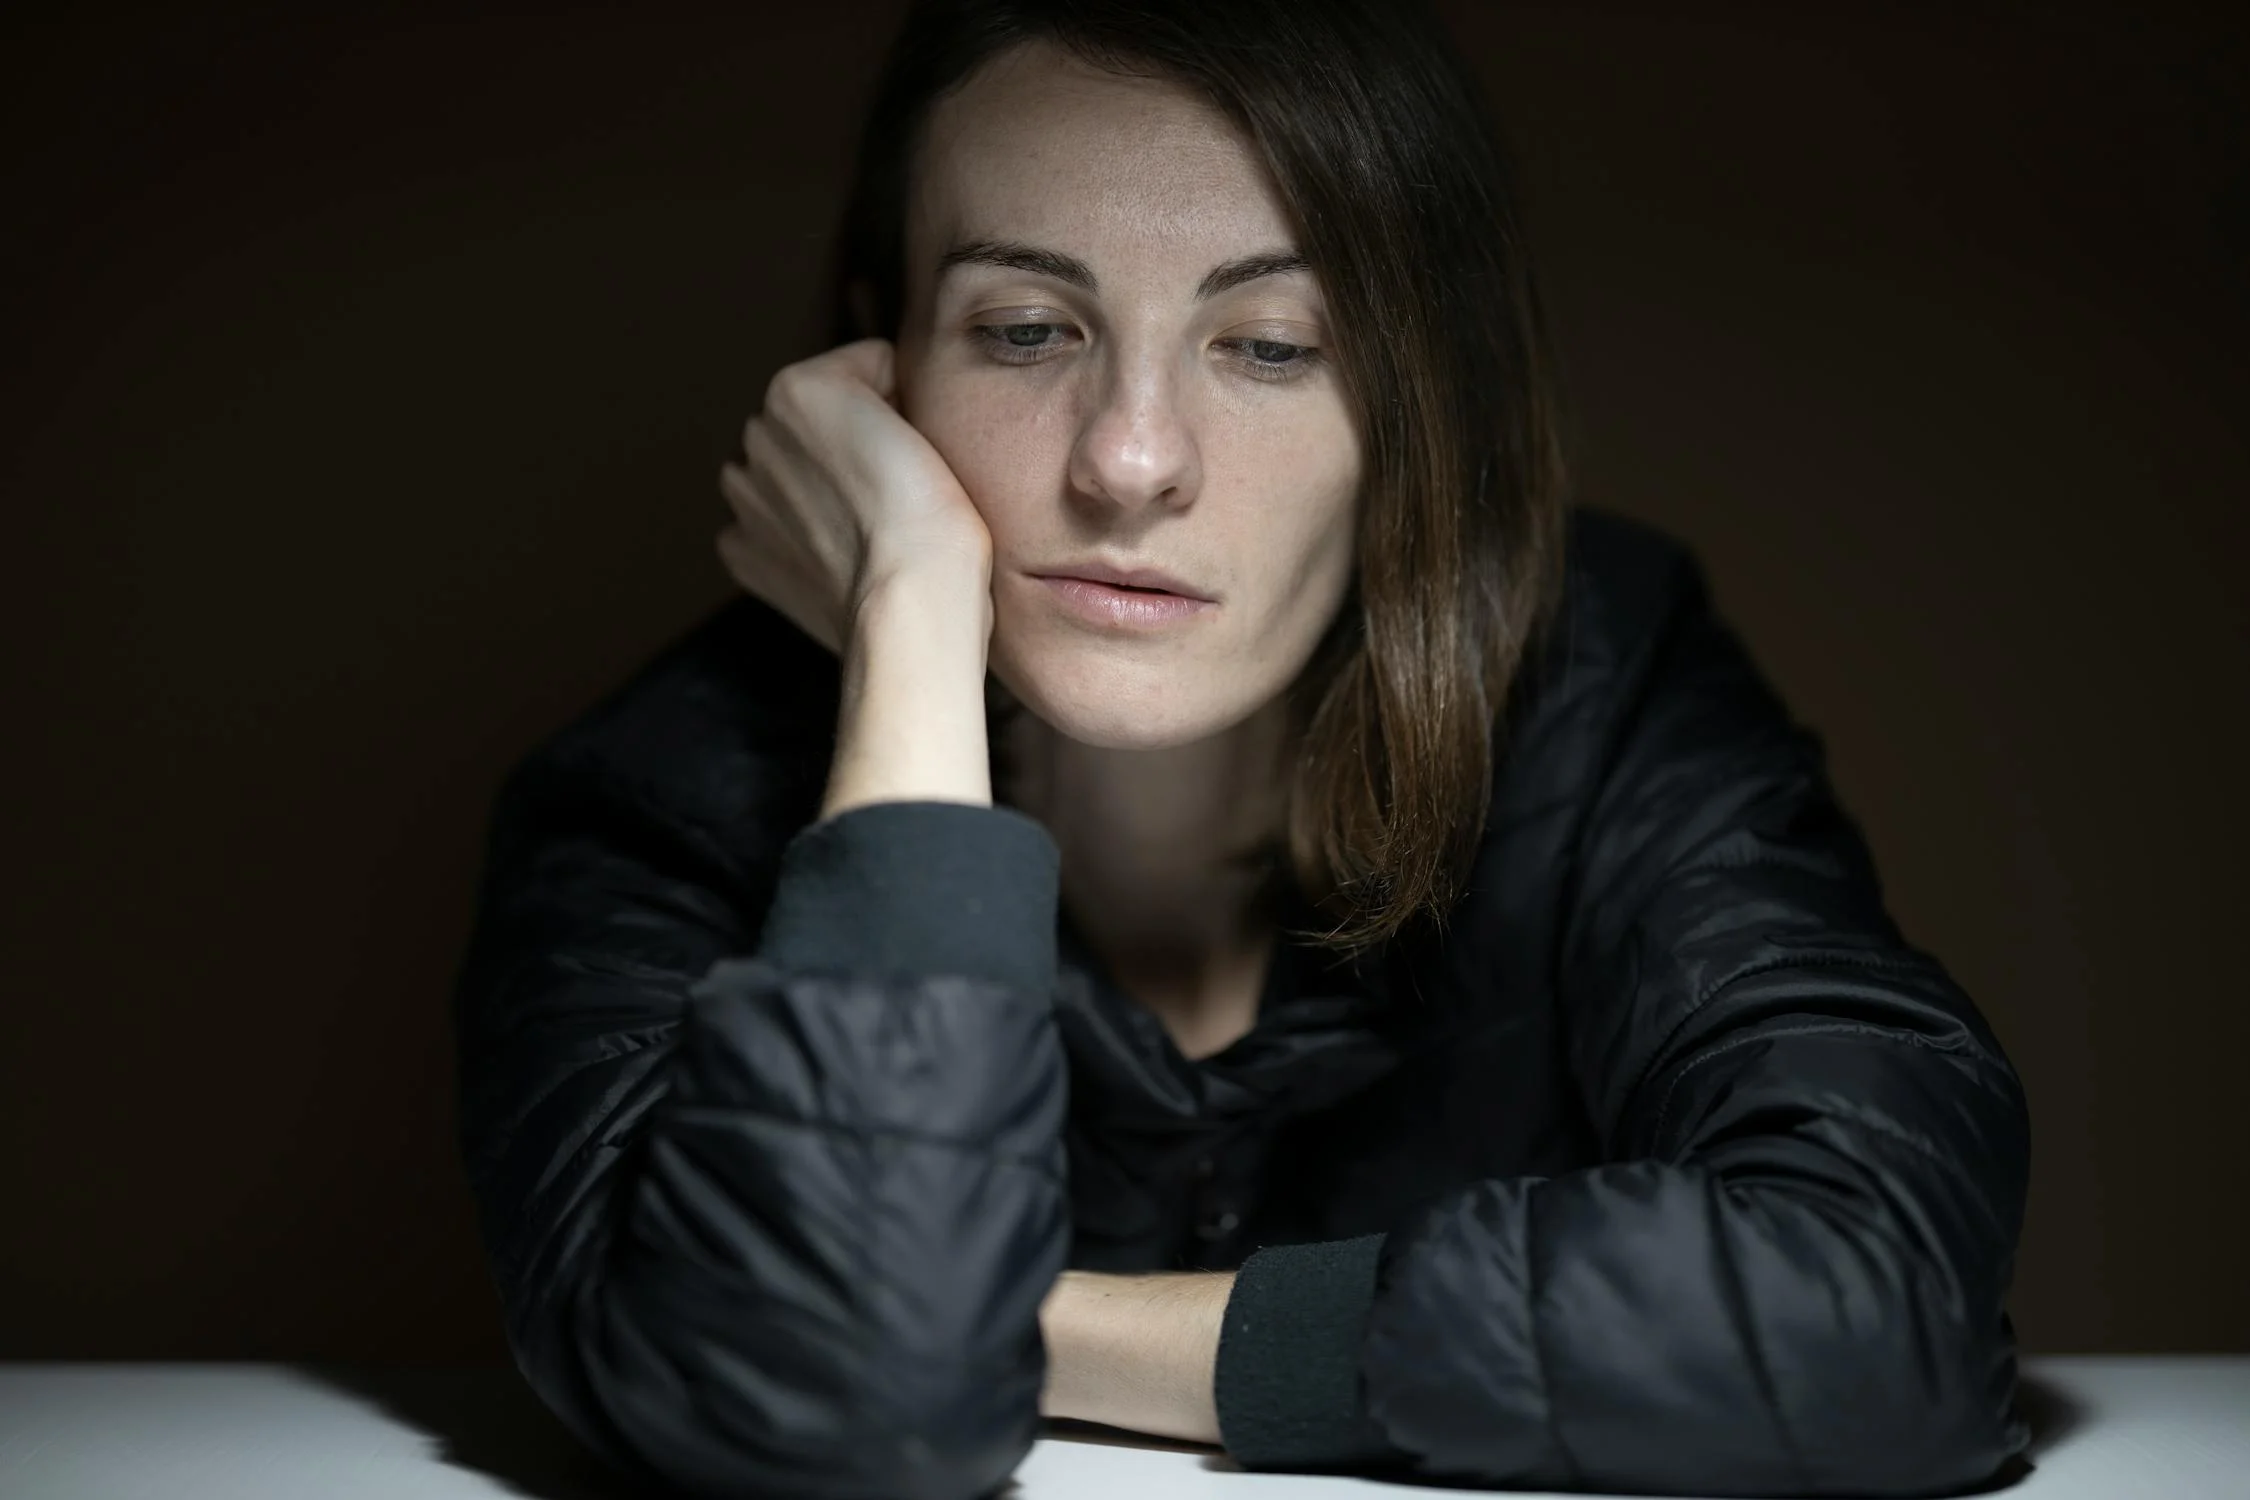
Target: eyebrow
(1011, 255)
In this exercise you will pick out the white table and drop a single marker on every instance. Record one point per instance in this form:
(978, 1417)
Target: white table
(2108, 1429)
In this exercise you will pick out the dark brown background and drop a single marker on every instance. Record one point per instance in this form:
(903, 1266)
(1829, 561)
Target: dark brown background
(364, 389)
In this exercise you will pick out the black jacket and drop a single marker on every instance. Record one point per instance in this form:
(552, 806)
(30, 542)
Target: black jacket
(1668, 1165)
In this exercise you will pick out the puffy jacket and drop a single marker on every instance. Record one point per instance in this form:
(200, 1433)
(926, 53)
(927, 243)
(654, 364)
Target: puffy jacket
(1666, 1163)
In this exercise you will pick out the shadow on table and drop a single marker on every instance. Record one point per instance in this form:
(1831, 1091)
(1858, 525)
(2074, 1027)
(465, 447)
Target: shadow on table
(484, 1419)
(2047, 1409)
(487, 1420)
(2051, 1413)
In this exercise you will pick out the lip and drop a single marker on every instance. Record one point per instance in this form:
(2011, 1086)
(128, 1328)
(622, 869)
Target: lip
(1104, 604)
(1140, 578)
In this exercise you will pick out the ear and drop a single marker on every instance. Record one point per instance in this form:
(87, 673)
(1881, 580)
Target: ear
(859, 299)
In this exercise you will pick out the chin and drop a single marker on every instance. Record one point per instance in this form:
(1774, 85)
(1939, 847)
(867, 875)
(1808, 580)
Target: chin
(1116, 705)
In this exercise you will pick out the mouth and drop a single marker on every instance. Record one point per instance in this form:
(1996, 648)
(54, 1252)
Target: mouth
(1122, 605)
(1130, 580)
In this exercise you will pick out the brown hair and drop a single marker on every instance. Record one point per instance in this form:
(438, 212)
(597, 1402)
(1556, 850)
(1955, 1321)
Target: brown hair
(1404, 201)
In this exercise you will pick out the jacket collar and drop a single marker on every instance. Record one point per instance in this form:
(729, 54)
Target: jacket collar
(1325, 1029)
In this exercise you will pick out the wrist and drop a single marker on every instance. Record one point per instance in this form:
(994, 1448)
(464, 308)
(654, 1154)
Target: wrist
(1135, 1351)
(960, 572)
(936, 608)
(911, 724)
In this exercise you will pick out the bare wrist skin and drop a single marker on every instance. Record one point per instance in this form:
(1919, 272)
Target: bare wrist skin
(911, 722)
(1136, 1352)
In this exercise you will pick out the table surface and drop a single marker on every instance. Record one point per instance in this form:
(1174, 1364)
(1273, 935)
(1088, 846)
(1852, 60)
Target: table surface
(2112, 1428)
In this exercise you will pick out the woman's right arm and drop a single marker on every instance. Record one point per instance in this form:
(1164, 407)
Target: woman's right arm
(778, 1219)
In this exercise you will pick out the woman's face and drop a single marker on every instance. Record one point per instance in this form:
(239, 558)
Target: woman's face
(1105, 336)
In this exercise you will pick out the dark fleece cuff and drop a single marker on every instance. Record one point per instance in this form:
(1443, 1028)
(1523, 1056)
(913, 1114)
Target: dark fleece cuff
(1288, 1384)
(919, 888)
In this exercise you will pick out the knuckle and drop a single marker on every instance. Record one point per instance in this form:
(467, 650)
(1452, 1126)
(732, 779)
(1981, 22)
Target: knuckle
(759, 442)
(786, 392)
(779, 392)
(746, 497)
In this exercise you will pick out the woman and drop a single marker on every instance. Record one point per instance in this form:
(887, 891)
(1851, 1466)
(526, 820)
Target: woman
(1193, 892)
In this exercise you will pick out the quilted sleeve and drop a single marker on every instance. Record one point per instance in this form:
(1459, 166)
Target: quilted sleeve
(1789, 1274)
(770, 1211)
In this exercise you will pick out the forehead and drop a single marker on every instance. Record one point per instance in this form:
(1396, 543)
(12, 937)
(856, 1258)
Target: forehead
(1042, 147)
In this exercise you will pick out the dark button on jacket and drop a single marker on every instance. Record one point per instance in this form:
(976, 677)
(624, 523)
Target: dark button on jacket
(1666, 1164)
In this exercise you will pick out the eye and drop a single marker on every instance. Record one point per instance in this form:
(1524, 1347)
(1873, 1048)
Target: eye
(1020, 343)
(1027, 343)
(1272, 359)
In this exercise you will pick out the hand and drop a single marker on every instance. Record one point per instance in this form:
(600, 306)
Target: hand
(837, 493)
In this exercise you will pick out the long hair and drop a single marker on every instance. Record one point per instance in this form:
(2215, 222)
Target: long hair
(1402, 195)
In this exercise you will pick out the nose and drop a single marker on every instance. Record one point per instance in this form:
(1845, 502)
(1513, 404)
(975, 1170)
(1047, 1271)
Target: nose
(1137, 447)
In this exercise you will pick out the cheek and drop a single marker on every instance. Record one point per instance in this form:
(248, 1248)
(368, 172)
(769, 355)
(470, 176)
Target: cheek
(999, 440)
(1299, 480)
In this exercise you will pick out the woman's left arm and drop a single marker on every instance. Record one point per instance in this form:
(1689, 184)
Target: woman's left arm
(1790, 1274)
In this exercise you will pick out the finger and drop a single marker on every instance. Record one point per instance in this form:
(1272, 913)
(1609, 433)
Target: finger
(759, 519)
(753, 569)
(755, 566)
(781, 446)
(762, 477)
(765, 518)
(782, 464)
(772, 470)
(740, 560)
(873, 362)
(745, 496)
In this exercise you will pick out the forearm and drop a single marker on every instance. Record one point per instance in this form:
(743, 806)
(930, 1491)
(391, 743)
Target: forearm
(911, 723)
(1136, 1352)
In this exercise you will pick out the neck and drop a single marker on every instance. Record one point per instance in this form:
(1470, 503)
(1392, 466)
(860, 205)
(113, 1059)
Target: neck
(1153, 843)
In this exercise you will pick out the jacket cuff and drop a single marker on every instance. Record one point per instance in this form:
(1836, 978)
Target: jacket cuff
(919, 888)
(1288, 1383)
